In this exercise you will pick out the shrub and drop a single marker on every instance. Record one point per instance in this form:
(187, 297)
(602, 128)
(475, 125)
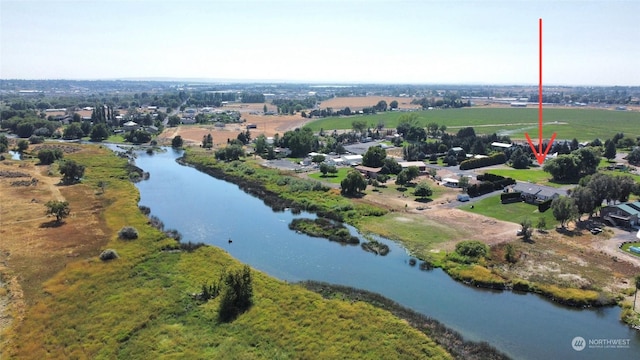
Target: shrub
(472, 249)
(495, 159)
(108, 254)
(238, 295)
(128, 233)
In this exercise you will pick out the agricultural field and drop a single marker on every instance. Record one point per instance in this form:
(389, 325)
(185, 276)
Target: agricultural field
(569, 123)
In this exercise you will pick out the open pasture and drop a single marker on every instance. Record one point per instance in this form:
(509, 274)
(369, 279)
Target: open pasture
(568, 123)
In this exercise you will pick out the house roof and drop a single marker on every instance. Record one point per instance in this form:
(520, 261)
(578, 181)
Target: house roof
(628, 209)
(406, 164)
(533, 189)
(502, 145)
(368, 169)
(130, 123)
(451, 180)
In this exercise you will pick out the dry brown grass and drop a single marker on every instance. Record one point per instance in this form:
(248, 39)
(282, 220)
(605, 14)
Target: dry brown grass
(33, 248)
(359, 102)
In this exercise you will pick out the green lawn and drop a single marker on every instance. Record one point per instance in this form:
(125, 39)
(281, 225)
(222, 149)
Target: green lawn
(626, 247)
(582, 124)
(533, 175)
(331, 178)
(515, 212)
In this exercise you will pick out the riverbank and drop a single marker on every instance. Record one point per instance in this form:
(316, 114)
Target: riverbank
(493, 271)
(140, 305)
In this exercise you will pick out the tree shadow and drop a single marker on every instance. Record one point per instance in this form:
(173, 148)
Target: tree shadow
(402, 189)
(51, 224)
(567, 232)
(424, 200)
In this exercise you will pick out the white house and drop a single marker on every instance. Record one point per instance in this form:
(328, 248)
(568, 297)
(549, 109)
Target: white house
(352, 160)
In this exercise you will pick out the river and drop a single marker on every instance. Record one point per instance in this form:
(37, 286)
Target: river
(525, 326)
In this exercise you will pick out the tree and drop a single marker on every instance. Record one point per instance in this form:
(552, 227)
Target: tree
(71, 172)
(99, 132)
(423, 190)
(261, 144)
(177, 142)
(584, 200)
(174, 120)
(207, 141)
(49, 156)
(138, 137)
(381, 106)
(374, 157)
(412, 172)
(609, 150)
(393, 104)
(359, 125)
(264, 108)
(542, 223)
(405, 122)
(432, 128)
(563, 168)
(230, 152)
(317, 159)
(634, 157)
(519, 160)
(564, 210)
(238, 295)
(401, 179)
(390, 166)
(73, 131)
(353, 183)
(526, 230)
(59, 209)
(23, 145)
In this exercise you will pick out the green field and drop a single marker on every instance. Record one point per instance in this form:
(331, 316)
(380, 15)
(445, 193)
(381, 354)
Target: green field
(515, 212)
(331, 178)
(582, 124)
(534, 175)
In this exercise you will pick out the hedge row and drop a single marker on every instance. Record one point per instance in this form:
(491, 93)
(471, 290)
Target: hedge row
(495, 159)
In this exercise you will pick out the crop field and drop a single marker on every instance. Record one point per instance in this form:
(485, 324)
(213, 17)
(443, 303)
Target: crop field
(569, 123)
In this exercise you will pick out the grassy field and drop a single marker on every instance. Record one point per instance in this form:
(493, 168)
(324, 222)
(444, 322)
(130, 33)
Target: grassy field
(533, 175)
(582, 124)
(332, 178)
(418, 234)
(139, 305)
(515, 212)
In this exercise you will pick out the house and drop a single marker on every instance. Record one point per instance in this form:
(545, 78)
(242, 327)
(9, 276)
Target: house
(352, 160)
(130, 126)
(500, 145)
(535, 194)
(624, 215)
(419, 164)
(188, 120)
(369, 172)
(450, 182)
(457, 149)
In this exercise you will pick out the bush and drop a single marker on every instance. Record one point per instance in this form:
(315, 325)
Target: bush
(238, 295)
(108, 254)
(495, 159)
(472, 249)
(128, 233)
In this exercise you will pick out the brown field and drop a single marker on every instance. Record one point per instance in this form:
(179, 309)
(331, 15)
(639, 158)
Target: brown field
(33, 247)
(359, 102)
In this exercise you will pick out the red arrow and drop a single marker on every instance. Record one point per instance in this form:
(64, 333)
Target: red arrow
(540, 155)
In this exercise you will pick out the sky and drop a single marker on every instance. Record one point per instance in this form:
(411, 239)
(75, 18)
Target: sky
(350, 41)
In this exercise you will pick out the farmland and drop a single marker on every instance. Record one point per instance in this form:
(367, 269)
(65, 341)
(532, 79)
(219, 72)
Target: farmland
(582, 124)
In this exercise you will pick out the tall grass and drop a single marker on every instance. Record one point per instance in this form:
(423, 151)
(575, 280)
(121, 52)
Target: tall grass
(140, 305)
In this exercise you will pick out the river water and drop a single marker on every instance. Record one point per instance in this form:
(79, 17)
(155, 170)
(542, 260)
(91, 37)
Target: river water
(525, 326)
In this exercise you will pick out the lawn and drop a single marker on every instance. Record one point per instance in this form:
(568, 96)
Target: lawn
(582, 124)
(515, 212)
(533, 175)
(331, 178)
(626, 247)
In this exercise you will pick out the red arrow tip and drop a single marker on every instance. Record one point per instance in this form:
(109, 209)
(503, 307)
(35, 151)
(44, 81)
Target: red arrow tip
(540, 156)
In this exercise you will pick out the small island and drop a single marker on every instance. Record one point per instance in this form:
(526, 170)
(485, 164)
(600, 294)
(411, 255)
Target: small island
(321, 227)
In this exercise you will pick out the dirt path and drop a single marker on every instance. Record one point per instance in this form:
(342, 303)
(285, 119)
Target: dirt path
(612, 246)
